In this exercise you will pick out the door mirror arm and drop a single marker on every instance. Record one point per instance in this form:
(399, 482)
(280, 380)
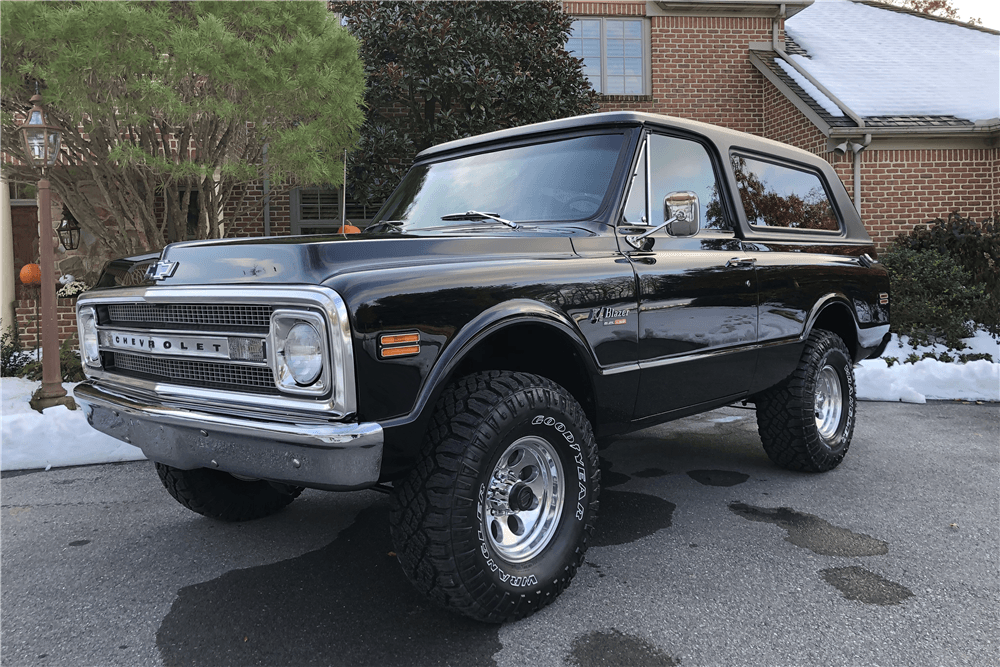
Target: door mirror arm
(636, 240)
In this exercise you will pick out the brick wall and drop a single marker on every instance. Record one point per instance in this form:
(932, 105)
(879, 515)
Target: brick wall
(250, 220)
(784, 122)
(700, 68)
(901, 188)
(28, 326)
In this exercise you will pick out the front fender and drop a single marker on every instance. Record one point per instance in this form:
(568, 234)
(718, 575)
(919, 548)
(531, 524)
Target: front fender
(404, 433)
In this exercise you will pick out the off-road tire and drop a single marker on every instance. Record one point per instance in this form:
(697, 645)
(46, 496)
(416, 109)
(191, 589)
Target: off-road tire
(440, 514)
(219, 495)
(791, 431)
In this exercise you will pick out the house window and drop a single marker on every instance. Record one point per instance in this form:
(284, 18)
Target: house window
(23, 194)
(615, 54)
(315, 210)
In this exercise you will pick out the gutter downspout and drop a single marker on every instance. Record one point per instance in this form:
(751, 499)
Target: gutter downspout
(857, 148)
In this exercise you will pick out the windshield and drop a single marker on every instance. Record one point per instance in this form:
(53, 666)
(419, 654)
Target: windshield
(553, 181)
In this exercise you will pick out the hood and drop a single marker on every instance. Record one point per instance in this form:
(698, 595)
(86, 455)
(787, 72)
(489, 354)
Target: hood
(316, 259)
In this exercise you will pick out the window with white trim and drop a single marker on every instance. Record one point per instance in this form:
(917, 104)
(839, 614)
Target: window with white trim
(315, 210)
(615, 54)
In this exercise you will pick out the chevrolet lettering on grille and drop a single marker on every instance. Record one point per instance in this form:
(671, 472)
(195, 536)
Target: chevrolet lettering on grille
(186, 346)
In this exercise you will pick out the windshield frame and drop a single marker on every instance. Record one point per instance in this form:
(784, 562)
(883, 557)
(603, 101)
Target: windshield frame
(605, 208)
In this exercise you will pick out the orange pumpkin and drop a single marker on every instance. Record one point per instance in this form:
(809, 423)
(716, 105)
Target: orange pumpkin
(31, 274)
(348, 229)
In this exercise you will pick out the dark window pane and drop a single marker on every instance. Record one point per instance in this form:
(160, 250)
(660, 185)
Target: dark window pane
(778, 196)
(318, 204)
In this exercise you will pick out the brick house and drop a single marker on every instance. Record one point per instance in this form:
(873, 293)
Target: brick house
(737, 63)
(747, 65)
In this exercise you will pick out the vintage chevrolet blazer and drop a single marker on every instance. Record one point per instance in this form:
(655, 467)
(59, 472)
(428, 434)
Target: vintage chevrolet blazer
(522, 297)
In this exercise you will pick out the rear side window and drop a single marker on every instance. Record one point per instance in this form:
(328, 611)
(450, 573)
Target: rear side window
(776, 195)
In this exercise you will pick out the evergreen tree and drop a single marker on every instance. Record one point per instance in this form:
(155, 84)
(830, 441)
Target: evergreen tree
(161, 100)
(438, 71)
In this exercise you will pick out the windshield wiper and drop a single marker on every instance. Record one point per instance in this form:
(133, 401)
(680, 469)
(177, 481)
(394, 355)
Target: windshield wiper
(386, 226)
(478, 215)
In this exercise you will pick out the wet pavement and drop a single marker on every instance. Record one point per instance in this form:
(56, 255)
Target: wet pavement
(705, 554)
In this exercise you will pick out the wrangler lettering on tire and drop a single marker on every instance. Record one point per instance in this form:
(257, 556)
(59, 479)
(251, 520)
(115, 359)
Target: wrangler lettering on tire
(495, 519)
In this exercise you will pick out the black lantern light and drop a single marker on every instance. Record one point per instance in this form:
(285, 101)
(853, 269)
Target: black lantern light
(69, 230)
(41, 139)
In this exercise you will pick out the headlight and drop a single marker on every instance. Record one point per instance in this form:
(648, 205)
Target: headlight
(304, 353)
(301, 362)
(90, 349)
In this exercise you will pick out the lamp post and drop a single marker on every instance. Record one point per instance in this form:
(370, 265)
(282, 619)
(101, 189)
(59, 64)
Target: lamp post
(41, 143)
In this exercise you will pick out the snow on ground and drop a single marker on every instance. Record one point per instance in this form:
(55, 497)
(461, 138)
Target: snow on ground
(931, 379)
(58, 437)
(882, 63)
(62, 437)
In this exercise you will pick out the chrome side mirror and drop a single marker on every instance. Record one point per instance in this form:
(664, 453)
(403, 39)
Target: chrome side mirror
(684, 208)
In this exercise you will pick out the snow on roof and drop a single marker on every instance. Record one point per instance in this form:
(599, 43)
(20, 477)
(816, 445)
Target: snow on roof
(829, 105)
(885, 63)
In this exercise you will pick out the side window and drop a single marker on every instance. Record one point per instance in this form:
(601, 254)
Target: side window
(635, 207)
(777, 195)
(681, 178)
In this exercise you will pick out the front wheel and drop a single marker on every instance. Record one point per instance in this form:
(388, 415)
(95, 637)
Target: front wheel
(494, 520)
(806, 422)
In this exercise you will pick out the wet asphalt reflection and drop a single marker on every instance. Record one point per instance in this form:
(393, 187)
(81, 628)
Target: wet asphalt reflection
(704, 554)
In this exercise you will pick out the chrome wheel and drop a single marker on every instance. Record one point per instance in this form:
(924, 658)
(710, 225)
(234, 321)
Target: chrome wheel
(829, 402)
(524, 499)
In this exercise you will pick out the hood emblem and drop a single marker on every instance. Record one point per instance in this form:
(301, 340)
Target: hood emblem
(160, 270)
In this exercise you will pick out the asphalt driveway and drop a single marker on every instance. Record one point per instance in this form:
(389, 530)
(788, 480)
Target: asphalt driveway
(706, 554)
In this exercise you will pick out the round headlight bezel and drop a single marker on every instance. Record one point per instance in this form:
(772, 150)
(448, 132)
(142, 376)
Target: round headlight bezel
(303, 381)
(303, 351)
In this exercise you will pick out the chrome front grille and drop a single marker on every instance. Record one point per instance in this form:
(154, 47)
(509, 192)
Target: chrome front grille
(184, 315)
(218, 345)
(196, 372)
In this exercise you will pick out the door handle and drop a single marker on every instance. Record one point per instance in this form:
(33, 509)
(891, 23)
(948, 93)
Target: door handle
(741, 261)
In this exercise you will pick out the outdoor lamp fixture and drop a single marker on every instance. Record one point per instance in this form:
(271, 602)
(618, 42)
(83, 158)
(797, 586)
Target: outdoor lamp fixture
(41, 145)
(41, 139)
(69, 230)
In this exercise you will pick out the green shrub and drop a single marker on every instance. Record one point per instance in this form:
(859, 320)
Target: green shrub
(975, 246)
(12, 357)
(932, 296)
(69, 363)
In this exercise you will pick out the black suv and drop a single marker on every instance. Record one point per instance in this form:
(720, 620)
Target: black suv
(521, 298)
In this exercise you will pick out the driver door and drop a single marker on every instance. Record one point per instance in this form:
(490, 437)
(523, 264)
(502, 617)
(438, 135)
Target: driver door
(697, 286)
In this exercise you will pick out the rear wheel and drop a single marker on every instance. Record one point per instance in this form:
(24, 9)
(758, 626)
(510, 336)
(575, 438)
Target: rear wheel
(494, 520)
(806, 422)
(219, 495)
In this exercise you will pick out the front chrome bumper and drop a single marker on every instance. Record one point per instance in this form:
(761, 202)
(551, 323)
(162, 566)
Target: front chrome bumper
(331, 456)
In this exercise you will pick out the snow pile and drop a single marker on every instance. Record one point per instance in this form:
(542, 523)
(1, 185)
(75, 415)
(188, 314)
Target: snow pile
(59, 437)
(931, 379)
(882, 63)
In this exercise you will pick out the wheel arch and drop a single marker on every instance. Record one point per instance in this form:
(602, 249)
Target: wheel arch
(834, 313)
(517, 335)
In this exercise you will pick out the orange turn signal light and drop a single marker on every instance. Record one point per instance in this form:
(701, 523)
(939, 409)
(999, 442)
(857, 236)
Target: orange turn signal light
(401, 351)
(397, 339)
